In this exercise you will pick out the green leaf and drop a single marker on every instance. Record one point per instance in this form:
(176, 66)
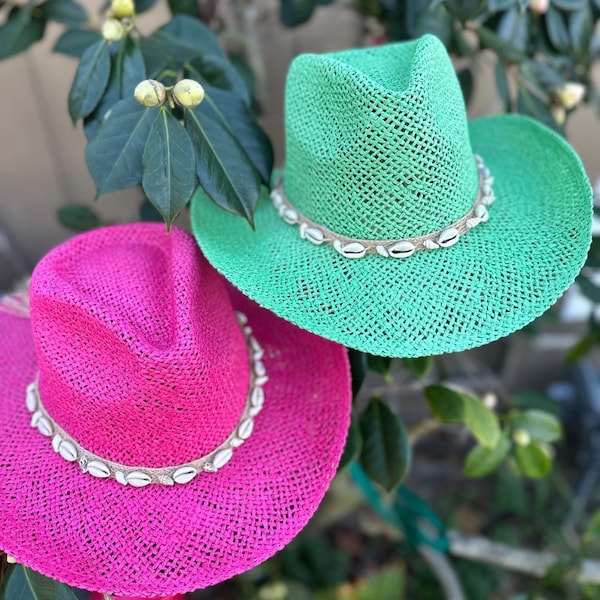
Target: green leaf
(26, 584)
(502, 85)
(465, 79)
(514, 28)
(466, 10)
(148, 213)
(143, 5)
(156, 56)
(557, 29)
(418, 367)
(223, 168)
(114, 156)
(168, 179)
(231, 111)
(219, 72)
(184, 7)
(581, 28)
(434, 19)
(76, 41)
(78, 217)
(495, 6)
(387, 584)
(20, 31)
(296, 12)
(543, 76)
(482, 460)
(446, 404)
(358, 369)
(569, 5)
(386, 451)
(379, 364)
(588, 288)
(533, 461)
(353, 445)
(528, 104)
(503, 48)
(535, 401)
(541, 426)
(582, 347)
(64, 11)
(90, 81)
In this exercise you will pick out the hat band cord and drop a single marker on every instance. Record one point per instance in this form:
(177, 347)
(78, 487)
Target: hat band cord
(400, 248)
(72, 451)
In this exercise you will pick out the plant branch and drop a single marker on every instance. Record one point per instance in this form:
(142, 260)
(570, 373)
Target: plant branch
(444, 572)
(528, 562)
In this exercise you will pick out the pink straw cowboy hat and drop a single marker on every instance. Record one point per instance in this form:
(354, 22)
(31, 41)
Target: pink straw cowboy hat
(158, 435)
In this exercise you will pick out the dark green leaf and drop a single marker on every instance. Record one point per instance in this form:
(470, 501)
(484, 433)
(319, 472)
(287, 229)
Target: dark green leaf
(148, 213)
(231, 111)
(418, 367)
(220, 73)
(78, 217)
(296, 12)
(64, 11)
(20, 31)
(143, 5)
(495, 6)
(514, 28)
(544, 77)
(536, 401)
(76, 41)
(386, 451)
(26, 584)
(502, 85)
(582, 347)
(90, 81)
(156, 56)
(557, 29)
(379, 364)
(569, 5)
(588, 288)
(505, 49)
(353, 445)
(593, 258)
(184, 7)
(447, 405)
(358, 369)
(114, 156)
(541, 426)
(465, 10)
(185, 38)
(435, 19)
(223, 168)
(169, 179)
(386, 584)
(581, 27)
(528, 104)
(533, 461)
(482, 461)
(465, 79)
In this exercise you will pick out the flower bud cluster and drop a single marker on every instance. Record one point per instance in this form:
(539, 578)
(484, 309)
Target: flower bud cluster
(186, 93)
(118, 20)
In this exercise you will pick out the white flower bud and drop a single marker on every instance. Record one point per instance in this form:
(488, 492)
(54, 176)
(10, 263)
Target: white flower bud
(539, 6)
(113, 30)
(150, 93)
(559, 114)
(11, 560)
(521, 437)
(570, 94)
(122, 8)
(188, 93)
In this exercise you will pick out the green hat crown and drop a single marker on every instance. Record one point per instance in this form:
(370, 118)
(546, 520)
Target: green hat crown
(377, 144)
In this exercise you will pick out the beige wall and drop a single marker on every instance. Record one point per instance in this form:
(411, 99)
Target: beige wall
(42, 155)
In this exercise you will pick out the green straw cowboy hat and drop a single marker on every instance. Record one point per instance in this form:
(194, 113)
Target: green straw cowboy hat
(399, 228)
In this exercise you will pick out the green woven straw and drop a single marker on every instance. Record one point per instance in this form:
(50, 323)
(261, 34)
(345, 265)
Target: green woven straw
(379, 148)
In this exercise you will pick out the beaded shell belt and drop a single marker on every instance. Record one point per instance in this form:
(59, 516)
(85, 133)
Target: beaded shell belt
(401, 248)
(97, 466)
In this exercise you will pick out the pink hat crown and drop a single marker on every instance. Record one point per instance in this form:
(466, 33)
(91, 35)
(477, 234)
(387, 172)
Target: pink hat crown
(141, 358)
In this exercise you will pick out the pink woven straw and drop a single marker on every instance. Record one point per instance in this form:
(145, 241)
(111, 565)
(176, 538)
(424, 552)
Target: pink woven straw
(141, 361)
(96, 596)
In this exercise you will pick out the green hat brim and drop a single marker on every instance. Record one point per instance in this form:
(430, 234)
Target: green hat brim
(498, 277)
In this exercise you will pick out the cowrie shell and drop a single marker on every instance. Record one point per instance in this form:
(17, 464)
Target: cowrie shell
(165, 480)
(222, 457)
(245, 429)
(236, 442)
(56, 440)
(121, 477)
(402, 249)
(473, 222)
(430, 245)
(184, 474)
(241, 318)
(31, 399)
(314, 235)
(45, 427)
(382, 251)
(352, 250)
(481, 213)
(138, 479)
(254, 410)
(257, 397)
(259, 368)
(448, 237)
(276, 198)
(68, 451)
(489, 199)
(261, 380)
(290, 216)
(98, 469)
(35, 418)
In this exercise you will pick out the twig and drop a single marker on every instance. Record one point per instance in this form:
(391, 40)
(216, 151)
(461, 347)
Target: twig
(444, 572)
(423, 427)
(529, 562)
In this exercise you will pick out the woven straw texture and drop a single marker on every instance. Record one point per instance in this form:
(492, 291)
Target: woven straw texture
(158, 541)
(495, 280)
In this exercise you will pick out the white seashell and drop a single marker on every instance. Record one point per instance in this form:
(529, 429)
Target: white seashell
(245, 429)
(353, 250)
(257, 396)
(236, 442)
(481, 213)
(247, 329)
(35, 418)
(382, 251)
(448, 237)
(486, 189)
(290, 216)
(303, 228)
(56, 440)
(314, 235)
(184, 474)
(485, 171)
(138, 479)
(473, 222)
(121, 477)
(259, 368)
(489, 199)
(478, 159)
(337, 245)
(45, 427)
(402, 249)
(209, 467)
(261, 380)
(98, 469)
(165, 480)
(222, 457)
(430, 245)
(83, 464)
(276, 197)
(31, 398)
(488, 180)
(257, 351)
(254, 410)
(241, 318)
(68, 451)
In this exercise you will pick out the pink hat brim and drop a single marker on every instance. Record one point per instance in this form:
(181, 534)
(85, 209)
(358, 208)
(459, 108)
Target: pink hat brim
(158, 541)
